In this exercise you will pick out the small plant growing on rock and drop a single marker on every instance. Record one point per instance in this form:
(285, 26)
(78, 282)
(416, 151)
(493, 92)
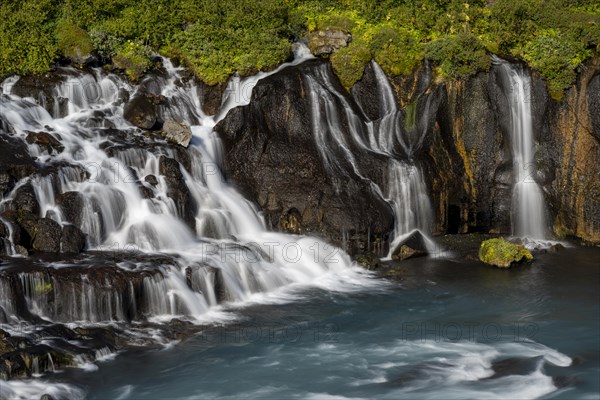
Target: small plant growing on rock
(134, 58)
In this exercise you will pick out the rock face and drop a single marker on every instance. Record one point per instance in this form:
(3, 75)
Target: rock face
(469, 162)
(502, 254)
(272, 157)
(177, 133)
(328, 41)
(465, 153)
(570, 156)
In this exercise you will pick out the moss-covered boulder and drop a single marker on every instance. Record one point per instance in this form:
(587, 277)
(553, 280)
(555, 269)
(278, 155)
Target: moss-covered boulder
(503, 254)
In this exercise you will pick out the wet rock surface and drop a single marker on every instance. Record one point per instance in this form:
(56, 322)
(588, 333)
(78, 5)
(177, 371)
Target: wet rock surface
(272, 157)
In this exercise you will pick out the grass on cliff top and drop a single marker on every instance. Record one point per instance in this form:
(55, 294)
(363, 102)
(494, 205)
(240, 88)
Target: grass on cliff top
(217, 39)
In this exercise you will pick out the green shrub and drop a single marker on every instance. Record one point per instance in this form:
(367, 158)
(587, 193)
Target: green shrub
(134, 59)
(73, 42)
(27, 43)
(105, 44)
(556, 56)
(397, 50)
(458, 55)
(239, 36)
(217, 39)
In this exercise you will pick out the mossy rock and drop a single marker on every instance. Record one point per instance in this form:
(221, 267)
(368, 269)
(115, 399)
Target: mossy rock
(503, 254)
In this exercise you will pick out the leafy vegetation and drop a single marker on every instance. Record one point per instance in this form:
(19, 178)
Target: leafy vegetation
(217, 39)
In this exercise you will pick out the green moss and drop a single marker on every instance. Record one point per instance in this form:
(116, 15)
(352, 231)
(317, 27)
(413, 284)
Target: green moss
(503, 254)
(43, 288)
(410, 115)
(349, 63)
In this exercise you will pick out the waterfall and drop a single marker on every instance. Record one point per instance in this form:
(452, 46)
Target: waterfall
(106, 161)
(528, 205)
(404, 187)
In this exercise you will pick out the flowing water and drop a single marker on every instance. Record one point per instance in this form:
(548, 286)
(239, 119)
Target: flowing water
(117, 216)
(404, 186)
(451, 330)
(277, 287)
(528, 205)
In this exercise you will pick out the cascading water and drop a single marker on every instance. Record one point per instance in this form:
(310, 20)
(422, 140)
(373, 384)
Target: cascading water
(528, 204)
(405, 187)
(120, 211)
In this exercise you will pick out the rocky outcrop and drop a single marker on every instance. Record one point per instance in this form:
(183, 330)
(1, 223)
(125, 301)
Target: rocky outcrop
(42, 89)
(328, 41)
(465, 152)
(469, 162)
(272, 157)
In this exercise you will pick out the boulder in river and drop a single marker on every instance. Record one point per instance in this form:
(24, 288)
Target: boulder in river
(46, 236)
(414, 245)
(177, 133)
(503, 254)
(72, 240)
(141, 111)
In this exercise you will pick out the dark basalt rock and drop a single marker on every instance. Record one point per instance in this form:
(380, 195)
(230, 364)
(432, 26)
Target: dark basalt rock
(70, 204)
(272, 157)
(151, 179)
(178, 191)
(72, 240)
(46, 236)
(46, 141)
(15, 162)
(211, 96)
(142, 111)
(25, 200)
(412, 246)
(42, 89)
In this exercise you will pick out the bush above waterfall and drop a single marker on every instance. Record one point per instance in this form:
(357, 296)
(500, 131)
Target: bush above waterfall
(217, 39)
(134, 58)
